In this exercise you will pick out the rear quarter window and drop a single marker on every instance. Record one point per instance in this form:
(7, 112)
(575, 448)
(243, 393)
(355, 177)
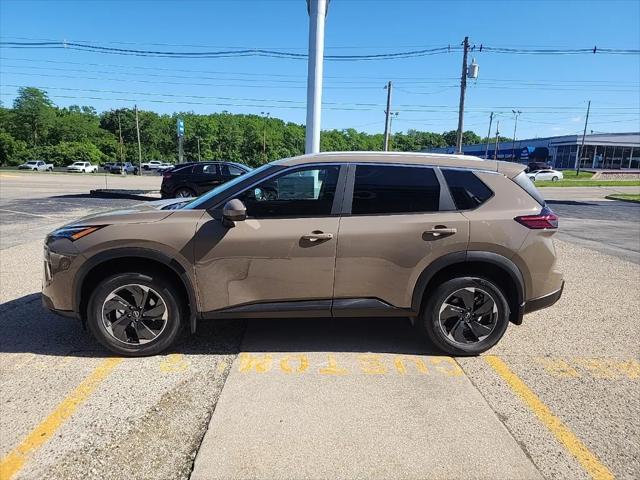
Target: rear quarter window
(524, 182)
(467, 190)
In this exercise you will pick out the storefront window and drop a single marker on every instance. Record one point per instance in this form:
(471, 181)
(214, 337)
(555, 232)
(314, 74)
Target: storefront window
(608, 154)
(616, 160)
(586, 156)
(626, 157)
(598, 157)
(635, 157)
(563, 159)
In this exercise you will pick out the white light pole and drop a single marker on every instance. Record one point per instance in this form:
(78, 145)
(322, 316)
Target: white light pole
(317, 13)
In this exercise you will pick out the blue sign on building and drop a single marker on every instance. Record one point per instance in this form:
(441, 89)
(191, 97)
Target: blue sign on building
(180, 127)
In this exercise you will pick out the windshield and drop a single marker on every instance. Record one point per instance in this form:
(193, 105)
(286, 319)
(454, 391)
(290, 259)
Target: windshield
(225, 186)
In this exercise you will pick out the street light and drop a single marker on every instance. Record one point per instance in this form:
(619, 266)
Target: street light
(513, 144)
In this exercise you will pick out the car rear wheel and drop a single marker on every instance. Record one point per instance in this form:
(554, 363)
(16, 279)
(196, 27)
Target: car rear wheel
(135, 314)
(184, 192)
(465, 316)
(554, 179)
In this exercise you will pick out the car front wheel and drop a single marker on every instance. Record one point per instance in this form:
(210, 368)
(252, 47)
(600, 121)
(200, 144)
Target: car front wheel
(554, 179)
(135, 314)
(465, 316)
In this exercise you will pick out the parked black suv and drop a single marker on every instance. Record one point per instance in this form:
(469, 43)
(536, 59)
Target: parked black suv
(193, 179)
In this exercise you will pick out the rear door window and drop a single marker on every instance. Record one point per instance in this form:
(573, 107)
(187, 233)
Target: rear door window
(388, 189)
(467, 190)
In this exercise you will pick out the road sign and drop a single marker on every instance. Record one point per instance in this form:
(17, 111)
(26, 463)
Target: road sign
(180, 127)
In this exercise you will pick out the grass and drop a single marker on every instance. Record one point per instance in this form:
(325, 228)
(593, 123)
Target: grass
(626, 197)
(569, 174)
(588, 183)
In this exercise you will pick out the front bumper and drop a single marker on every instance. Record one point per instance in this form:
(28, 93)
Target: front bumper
(48, 304)
(544, 301)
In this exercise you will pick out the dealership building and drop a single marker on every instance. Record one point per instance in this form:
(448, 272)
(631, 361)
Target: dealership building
(607, 151)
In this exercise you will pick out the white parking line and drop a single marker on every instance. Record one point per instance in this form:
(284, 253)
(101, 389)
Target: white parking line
(30, 214)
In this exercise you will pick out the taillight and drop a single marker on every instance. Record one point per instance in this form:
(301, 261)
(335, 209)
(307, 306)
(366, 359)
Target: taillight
(166, 175)
(545, 219)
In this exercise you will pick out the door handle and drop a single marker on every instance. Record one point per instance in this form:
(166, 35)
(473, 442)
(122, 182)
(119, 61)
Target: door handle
(317, 235)
(439, 231)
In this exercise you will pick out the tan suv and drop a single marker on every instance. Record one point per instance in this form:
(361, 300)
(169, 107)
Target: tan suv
(460, 245)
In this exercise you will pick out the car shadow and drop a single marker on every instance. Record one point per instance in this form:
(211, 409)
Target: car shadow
(27, 327)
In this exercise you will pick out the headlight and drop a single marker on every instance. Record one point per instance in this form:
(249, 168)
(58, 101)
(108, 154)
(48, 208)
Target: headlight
(73, 233)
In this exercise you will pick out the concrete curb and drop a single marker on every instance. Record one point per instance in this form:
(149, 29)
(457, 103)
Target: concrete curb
(613, 197)
(126, 194)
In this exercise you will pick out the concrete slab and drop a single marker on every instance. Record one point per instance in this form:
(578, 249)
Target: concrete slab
(309, 399)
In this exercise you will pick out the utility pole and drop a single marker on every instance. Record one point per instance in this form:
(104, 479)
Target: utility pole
(463, 87)
(486, 150)
(317, 10)
(198, 139)
(495, 153)
(584, 133)
(139, 145)
(387, 119)
(513, 142)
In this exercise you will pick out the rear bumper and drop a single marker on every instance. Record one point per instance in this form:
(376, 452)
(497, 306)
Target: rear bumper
(544, 301)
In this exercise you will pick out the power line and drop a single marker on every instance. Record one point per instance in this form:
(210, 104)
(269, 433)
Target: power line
(251, 52)
(371, 78)
(531, 109)
(263, 52)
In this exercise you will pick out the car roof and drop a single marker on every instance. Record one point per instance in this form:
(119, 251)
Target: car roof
(509, 169)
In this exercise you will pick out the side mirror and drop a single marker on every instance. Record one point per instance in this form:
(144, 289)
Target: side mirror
(234, 211)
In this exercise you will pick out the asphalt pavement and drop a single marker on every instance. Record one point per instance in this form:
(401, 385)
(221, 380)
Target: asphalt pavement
(322, 398)
(589, 220)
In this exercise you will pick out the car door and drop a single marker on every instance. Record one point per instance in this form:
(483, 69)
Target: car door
(205, 177)
(282, 257)
(229, 172)
(544, 175)
(400, 220)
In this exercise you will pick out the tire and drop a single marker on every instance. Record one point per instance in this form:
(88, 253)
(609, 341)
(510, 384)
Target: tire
(134, 338)
(459, 334)
(84, 171)
(554, 179)
(183, 192)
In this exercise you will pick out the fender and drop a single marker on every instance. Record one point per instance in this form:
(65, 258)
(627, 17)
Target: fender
(500, 261)
(137, 252)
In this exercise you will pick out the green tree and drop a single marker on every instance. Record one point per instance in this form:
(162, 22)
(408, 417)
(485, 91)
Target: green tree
(10, 149)
(34, 114)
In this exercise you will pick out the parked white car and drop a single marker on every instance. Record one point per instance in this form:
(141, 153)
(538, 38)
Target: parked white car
(165, 166)
(82, 167)
(553, 175)
(152, 165)
(36, 166)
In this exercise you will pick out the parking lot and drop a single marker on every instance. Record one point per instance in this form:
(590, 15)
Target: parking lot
(324, 398)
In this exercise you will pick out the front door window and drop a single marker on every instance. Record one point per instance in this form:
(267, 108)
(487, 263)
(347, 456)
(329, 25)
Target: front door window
(306, 192)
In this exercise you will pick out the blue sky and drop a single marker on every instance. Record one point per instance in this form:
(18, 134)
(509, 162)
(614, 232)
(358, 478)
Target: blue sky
(551, 91)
